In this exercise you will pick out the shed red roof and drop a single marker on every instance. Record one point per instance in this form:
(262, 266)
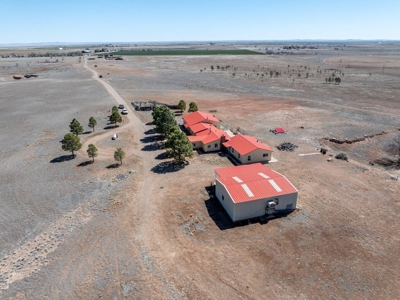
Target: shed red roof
(253, 182)
(245, 144)
(279, 130)
(197, 117)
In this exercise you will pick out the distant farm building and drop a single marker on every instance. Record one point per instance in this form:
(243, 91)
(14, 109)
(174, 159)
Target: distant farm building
(252, 191)
(246, 149)
(200, 117)
(209, 139)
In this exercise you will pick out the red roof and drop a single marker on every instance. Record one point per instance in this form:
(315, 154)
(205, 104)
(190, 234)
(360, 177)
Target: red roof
(197, 117)
(199, 127)
(208, 136)
(279, 130)
(253, 182)
(245, 144)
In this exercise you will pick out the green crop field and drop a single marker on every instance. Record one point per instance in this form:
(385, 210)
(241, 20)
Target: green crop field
(186, 52)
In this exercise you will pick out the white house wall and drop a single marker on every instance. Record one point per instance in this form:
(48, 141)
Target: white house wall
(212, 146)
(256, 156)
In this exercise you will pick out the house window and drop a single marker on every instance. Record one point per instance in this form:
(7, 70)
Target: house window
(194, 144)
(223, 197)
(265, 155)
(249, 157)
(232, 150)
(238, 155)
(209, 146)
(216, 145)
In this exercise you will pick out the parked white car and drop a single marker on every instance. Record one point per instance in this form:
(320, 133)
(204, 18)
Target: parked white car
(114, 137)
(124, 112)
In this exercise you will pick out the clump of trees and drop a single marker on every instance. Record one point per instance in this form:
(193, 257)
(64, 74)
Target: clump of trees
(71, 142)
(163, 119)
(193, 107)
(92, 151)
(115, 116)
(182, 106)
(119, 155)
(178, 145)
(76, 127)
(92, 123)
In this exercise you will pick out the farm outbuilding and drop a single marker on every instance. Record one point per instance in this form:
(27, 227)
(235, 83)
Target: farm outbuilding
(252, 191)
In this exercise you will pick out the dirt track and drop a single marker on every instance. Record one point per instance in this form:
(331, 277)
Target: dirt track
(147, 230)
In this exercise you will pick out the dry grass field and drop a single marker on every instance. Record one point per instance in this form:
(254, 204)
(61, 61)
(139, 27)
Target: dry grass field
(149, 230)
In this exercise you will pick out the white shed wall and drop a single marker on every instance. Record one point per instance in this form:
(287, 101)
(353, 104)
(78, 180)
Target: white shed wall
(227, 202)
(256, 208)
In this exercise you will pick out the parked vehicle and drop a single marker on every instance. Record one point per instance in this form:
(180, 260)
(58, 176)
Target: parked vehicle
(114, 137)
(124, 112)
(121, 106)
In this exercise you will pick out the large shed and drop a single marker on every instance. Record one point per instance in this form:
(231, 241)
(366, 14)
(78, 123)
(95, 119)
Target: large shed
(250, 191)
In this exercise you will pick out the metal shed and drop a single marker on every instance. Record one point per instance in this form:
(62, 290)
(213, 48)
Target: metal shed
(254, 190)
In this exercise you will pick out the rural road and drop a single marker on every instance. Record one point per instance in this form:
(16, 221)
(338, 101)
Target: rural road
(141, 208)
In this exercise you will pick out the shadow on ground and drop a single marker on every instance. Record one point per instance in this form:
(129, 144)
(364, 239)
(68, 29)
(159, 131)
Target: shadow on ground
(223, 221)
(151, 139)
(85, 163)
(62, 158)
(162, 155)
(168, 167)
(113, 166)
(110, 127)
(150, 131)
(153, 147)
(87, 132)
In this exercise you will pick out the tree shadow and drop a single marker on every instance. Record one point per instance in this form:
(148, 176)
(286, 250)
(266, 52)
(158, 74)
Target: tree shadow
(150, 131)
(163, 155)
(113, 166)
(167, 167)
(149, 123)
(110, 127)
(85, 163)
(151, 139)
(153, 147)
(62, 158)
(87, 132)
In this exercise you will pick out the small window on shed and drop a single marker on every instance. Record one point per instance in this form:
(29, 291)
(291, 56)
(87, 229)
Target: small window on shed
(232, 150)
(238, 155)
(194, 144)
(209, 146)
(223, 197)
(216, 145)
(249, 157)
(265, 155)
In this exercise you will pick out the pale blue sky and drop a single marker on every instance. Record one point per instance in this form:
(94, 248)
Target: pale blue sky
(34, 21)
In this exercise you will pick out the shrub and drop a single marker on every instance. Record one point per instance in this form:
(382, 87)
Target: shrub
(342, 156)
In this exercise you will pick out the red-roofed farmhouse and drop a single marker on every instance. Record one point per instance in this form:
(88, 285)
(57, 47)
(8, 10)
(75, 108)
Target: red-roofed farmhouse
(247, 149)
(200, 117)
(208, 139)
(254, 190)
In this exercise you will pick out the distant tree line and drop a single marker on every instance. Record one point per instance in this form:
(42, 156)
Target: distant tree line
(55, 54)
